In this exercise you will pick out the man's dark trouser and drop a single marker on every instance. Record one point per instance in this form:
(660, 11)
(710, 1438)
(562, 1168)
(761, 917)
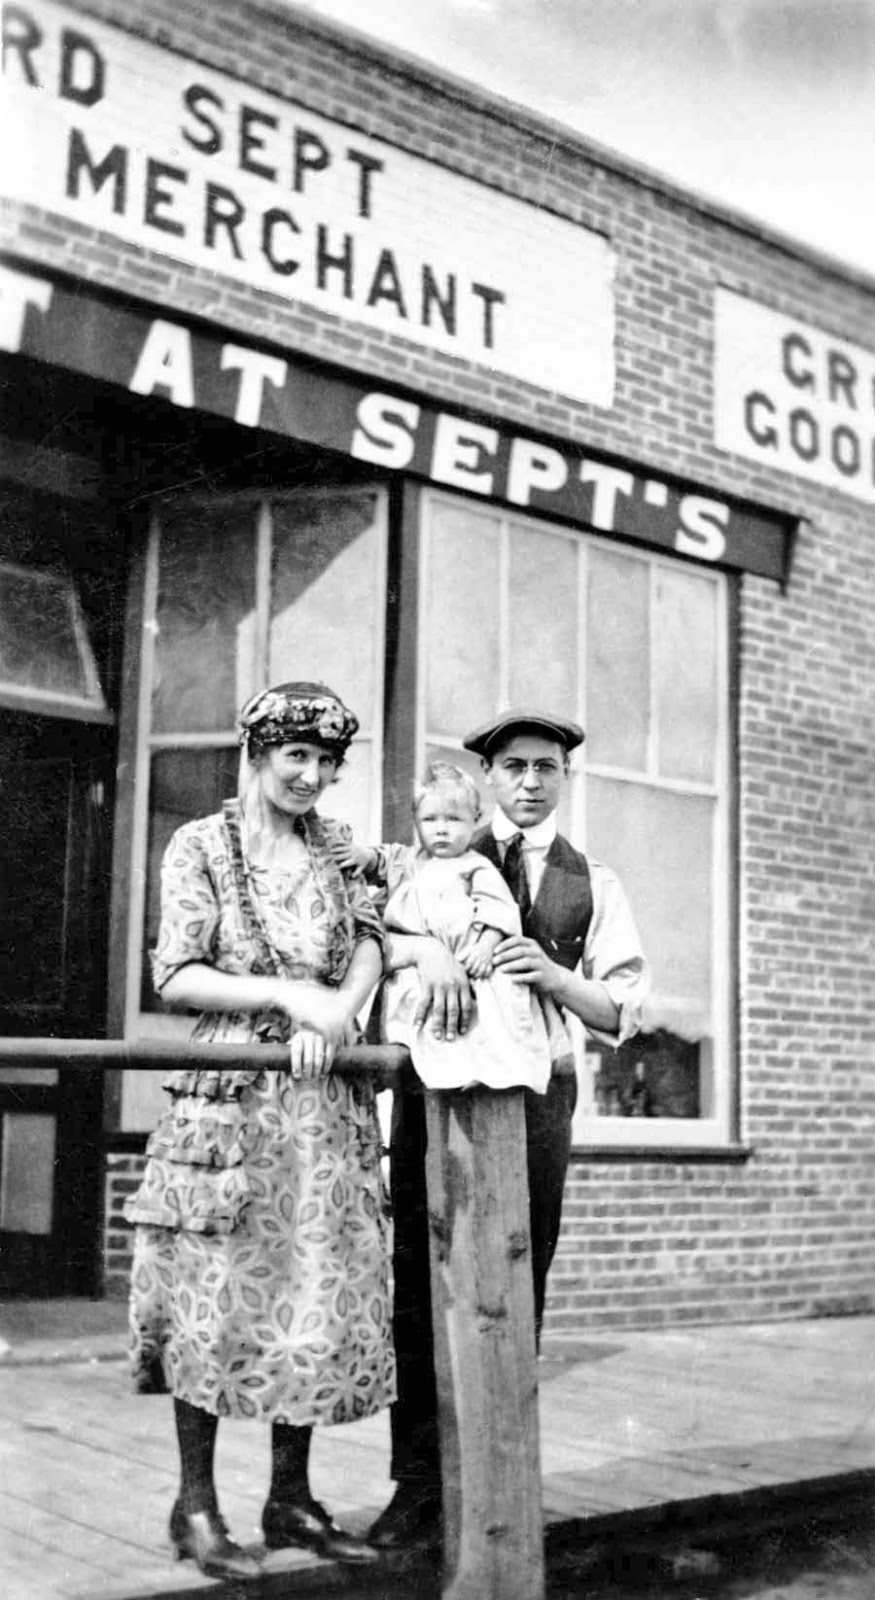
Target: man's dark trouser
(415, 1457)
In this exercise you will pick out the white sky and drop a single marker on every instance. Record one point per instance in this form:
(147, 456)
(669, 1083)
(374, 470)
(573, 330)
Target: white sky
(767, 105)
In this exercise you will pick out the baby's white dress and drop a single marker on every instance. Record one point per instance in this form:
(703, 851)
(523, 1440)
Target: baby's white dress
(507, 1042)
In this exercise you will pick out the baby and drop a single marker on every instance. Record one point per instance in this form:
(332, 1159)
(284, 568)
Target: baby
(444, 888)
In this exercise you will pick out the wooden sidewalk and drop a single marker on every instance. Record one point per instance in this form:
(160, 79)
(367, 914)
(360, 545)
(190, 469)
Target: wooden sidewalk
(635, 1428)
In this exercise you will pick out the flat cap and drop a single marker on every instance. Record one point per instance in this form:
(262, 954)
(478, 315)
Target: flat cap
(523, 719)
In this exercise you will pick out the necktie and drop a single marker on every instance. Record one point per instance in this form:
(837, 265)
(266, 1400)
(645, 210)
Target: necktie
(514, 871)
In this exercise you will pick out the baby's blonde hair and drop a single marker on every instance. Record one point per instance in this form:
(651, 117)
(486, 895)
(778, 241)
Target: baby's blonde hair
(444, 775)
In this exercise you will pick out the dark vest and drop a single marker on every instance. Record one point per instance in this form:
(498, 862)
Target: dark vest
(560, 917)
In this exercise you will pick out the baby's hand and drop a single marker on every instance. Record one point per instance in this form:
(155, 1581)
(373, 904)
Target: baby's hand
(351, 857)
(477, 965)
(477, 958)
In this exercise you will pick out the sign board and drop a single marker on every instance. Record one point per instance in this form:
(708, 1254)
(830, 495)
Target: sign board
(202, 369)
(150, 147)
(788, 395)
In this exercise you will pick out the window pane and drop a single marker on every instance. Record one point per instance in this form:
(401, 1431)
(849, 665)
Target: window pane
(542, 653)
(660, 845)
(462, 612)
(653, 1075)
(42, 1075)
(351, 798)
(44, 648)
(324, 603)
(205, 647)
(28, 1173)
(686, 674)
(184, 784)
(617, 660)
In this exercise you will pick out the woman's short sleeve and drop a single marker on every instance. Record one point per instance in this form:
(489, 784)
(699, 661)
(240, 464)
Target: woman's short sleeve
(189, 906)
(367, 922)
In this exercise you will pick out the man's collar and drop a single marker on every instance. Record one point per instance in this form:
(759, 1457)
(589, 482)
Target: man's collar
(539, 837)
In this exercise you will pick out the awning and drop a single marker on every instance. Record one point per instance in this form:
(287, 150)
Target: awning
(198, 366)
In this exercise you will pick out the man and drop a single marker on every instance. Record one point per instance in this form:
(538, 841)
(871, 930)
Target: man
(578, 946)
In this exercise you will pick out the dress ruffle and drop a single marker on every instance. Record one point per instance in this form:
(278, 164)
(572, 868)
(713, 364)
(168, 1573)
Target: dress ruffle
(195, 1177)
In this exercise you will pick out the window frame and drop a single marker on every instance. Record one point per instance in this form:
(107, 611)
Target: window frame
(89, 707)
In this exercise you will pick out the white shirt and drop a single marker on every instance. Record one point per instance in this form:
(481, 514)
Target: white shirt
(536, 842)
(612, 952)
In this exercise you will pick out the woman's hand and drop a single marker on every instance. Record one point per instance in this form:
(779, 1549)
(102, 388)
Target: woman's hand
(323, 1019)
(310, 1054)
(321, 1010)
(321, 1023)
(312, 1005)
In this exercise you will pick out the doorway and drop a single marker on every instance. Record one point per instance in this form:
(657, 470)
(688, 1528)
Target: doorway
(55, 777)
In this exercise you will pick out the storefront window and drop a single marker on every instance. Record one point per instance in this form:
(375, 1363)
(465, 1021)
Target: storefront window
(253, 590)
(634, 644)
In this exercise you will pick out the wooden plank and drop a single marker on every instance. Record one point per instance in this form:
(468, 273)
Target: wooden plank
(485, 1361)
(137, 639)
(63, 1545)
(25, 1573)
(402, 612)
(88, 1466)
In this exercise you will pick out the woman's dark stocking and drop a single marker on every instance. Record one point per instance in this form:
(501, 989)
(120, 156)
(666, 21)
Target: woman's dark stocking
(196, 1433)
(291, 1517)
(289, 1461)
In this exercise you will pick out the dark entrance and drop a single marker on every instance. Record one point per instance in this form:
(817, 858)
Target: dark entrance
(54, 789)
(62, 568)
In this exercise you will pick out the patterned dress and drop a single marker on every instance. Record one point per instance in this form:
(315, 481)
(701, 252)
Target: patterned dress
(260, 1273)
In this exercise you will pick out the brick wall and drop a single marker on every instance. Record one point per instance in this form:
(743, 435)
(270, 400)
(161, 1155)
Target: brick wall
(123, 1173)
(789, 1231)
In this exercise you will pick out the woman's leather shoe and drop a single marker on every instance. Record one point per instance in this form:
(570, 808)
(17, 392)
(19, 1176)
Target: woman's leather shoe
(306, 1523)
(203, 1536)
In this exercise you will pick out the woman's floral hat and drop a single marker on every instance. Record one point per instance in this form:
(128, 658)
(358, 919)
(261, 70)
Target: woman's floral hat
(308, 711)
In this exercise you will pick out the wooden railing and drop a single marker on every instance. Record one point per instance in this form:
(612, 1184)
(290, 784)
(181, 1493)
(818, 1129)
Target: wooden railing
(482, 1299)
(152, 1055)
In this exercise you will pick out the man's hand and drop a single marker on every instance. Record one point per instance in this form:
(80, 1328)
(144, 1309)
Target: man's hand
(444, 991)
(524, 961)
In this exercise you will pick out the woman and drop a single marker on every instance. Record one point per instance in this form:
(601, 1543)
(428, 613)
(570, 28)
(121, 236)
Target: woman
(259, 1284)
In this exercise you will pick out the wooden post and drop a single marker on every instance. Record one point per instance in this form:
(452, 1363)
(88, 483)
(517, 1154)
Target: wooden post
(484, 1335)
